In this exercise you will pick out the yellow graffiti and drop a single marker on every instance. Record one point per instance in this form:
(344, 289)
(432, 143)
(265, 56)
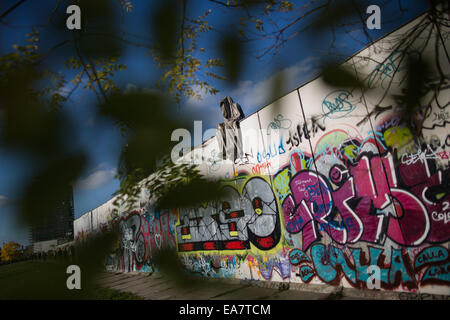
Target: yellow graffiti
(350, 151)
(281, 182)
(397, 137)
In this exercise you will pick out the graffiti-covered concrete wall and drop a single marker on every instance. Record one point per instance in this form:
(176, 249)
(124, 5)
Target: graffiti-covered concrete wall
(331, 182)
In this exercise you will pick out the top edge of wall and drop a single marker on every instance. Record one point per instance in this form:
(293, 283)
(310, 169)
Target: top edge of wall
(296, 89)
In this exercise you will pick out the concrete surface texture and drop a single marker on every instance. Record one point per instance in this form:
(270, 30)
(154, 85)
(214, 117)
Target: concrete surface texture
(330, 190)
(155, 286)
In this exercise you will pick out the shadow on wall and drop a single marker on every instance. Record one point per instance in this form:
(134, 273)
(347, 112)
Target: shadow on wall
(333, 196)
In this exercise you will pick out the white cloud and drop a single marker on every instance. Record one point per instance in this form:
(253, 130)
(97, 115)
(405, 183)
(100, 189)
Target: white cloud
(69, 88)
(133, 88)
(255, 95)
(4, 201)
(99, 178)
(252, 95)
(130, 87)
(91, 121)
(198, 104)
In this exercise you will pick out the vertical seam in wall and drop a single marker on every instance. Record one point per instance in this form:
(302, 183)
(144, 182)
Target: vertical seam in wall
(260, 132)
(264, 146)
(384, 170)
(275, 194)
(262, 139)
(309, 140)
(269, 175)
(315, 166)
(386, 223)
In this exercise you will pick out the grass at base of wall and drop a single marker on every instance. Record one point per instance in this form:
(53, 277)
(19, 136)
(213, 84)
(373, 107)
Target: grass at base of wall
(336, 295)
(47, 280)
(101, 293)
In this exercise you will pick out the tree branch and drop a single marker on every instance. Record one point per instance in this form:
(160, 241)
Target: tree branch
(11, 9)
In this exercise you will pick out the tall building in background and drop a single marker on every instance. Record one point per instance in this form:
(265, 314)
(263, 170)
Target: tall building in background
(56, 228)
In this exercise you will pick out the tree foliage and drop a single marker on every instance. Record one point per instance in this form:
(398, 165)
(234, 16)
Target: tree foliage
(11, 251)
(39, 75)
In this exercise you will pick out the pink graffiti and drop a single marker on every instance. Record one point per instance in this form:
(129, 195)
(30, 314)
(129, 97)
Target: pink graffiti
(311, 203)
(433, 190)
(373, 201)
(375, 178)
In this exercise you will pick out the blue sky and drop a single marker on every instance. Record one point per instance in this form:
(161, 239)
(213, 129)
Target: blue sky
(299, 60)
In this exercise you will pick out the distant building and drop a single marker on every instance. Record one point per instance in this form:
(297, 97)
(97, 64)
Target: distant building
(56, 229)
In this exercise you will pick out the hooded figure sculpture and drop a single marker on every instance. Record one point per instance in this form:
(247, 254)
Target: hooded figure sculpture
(228, 133)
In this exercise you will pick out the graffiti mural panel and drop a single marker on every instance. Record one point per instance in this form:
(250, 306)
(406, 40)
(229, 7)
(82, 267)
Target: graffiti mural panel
(240, 218)
(330, 184)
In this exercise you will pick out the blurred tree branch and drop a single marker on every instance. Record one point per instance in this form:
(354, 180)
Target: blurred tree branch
(11, 9)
